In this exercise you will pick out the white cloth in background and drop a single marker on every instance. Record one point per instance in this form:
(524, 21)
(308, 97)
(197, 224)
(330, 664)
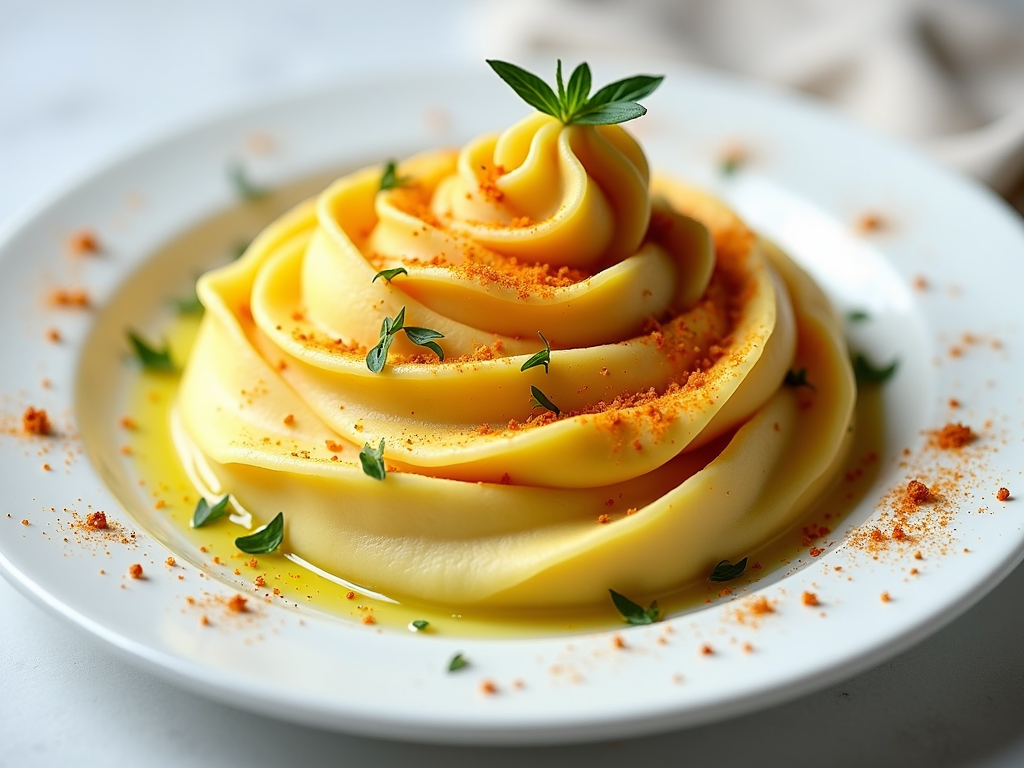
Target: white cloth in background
(948, 74)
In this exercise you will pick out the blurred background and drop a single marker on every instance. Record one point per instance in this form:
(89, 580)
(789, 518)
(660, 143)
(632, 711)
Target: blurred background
(82, 81)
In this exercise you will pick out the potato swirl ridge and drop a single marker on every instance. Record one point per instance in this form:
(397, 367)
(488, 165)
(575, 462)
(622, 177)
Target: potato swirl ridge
(671, 329)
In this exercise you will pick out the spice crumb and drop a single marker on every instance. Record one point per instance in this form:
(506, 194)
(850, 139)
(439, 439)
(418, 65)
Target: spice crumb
(260, 581)
(954, 435)
(1003, 494)
(488, 687)
(603, 519)
(809, 598)
(24, 522)
(237, 604)
(368, 619)
(289, 419)
(35, 421)
(82, 242)
(53, 335)
(918, 555)
(618, 642)
(885, 597)
(170, 562)
(706, 650)
(135, 571)
(918, 492)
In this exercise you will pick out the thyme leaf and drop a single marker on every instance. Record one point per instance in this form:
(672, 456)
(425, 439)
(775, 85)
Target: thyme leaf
(265, 540)
(372, 460)
(726, 571)
(866, 373)
(541, 358)
(540, 400)
(798, 378)
(390, 274)
(390, 178)
(634, 613)
(458, 662)
(423, 337)
(204, 513)
(151, 359)
(244, 188)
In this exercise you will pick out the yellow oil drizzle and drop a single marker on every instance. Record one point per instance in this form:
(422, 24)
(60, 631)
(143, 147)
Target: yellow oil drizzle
(276, 577)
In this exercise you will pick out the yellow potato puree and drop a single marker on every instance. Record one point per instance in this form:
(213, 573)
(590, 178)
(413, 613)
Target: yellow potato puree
(672, 327)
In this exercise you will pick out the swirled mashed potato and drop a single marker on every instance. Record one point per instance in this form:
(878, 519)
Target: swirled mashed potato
(672, 328)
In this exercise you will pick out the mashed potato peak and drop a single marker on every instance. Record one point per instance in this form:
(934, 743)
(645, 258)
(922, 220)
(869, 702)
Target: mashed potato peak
(671, 327)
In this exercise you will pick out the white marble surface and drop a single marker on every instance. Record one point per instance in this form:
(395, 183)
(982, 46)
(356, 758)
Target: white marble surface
(78, 83)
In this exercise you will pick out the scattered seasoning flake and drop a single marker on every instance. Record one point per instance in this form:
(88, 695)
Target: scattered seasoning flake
(35, 421)
(289, 419)
(706, 650)
(810, 599)
(96, 520)
(815, 551)
(458, 662)
(237, 604)
(170, 562)
(488, 688)
(870, 222)
(24, 522)
(53, 335)
(954, 435)
(603, 519)
(127, 422)
(135, 571)
(918, 492)
(68, 297)
(368, 619)
(885, 597)
(83, 241)
(260, 581)
(918, 555)
(618, 642)
(1003, 494)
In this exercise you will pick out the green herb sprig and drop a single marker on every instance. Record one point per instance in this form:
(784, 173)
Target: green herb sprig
(726, 571)
(152, 359)
(634, 613)
(458, 662)
(265, 540)
(541, 358)
(390, 178)
(866, 373)
(419, 625)
(204, 513)
(389, 328)
(372, 460)
(573, 104)
(540, 400)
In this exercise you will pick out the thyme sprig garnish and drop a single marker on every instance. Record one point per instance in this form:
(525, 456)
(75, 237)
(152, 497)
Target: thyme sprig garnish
(265, 540)
(389, 328)
(458, 662)
(634, 613)
(204, 513)
(541, 358)
(726, 571)
(372, 460)
(540, 400)
(573, 104)
(152, 359)
(390, 178)
(798, 378)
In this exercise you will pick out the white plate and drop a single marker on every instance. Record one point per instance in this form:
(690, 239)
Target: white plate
(809, 178)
